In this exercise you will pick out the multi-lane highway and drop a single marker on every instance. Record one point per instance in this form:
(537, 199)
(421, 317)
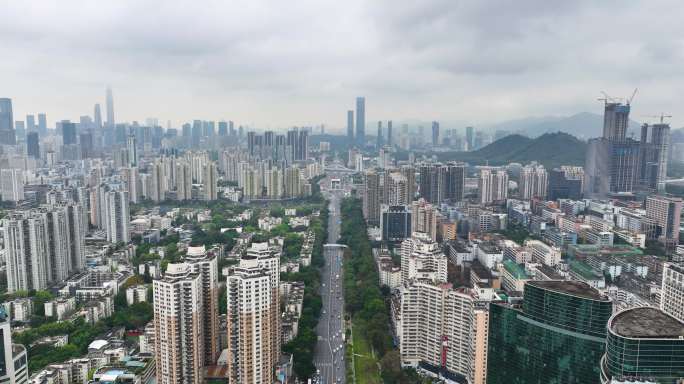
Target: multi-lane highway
(329, 353)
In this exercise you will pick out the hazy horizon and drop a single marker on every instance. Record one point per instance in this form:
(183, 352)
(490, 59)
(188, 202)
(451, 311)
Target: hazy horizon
(274, 65)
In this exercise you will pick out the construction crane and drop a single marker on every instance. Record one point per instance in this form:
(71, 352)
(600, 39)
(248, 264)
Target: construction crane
(661, 117)
(608, 99)
(629, 101)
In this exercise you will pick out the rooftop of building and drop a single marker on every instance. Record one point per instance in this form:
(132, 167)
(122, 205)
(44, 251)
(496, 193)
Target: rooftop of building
(570, 287)
(647, 323)
(515, 269)
(584, 270)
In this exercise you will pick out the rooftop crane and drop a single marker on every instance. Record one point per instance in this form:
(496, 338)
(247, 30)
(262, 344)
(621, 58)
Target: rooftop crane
(662, 117)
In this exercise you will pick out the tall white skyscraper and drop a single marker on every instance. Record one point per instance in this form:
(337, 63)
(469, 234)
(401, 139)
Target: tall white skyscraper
(110, 107)
(178, 326)
(422, 258)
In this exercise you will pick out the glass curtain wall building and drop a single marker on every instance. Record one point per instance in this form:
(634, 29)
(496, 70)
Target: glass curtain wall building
(644, 345)
(557, 336)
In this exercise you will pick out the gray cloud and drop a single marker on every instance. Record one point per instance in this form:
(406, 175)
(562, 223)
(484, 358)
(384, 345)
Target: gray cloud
(275, 64)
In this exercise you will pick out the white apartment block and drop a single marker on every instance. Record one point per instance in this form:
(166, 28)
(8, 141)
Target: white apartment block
(672, 290)
(422, 257)
(437, 320)
(543, 253)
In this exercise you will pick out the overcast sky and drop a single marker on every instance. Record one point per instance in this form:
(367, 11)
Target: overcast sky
(274, 64)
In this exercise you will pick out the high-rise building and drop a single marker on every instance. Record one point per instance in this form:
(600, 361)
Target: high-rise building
(31, 123)
(43, 246)
(372, 197)
(33, 145)
(7, 135)
(437, 328)
(409, 173)
(97, 116)
(643, 345)
(361, 121)
(389, 133)
(557, 337)
(395, 224)
(431, 189)
(12, 184)
(68, 132)
(435, 134)
(131, 180)
(654, 156)
(454, 181)
(424, 218)
(565, 182)
(253, 316)
(665, 212)
(492, 185)
(132, 147)
(379, 142)
(396, 189)
(117, 216)
(223, 128)
(204, 263)
(210, 181)
(179, 329)
(672, 290)
(183, 181)
(109, 99)
(615, 121)
(470, 138)
(533, 182)
(13, 357)
(42, 124)
(612, 161)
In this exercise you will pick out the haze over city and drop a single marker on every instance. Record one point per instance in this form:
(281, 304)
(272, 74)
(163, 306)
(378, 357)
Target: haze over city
(355, 192)
(271, 65)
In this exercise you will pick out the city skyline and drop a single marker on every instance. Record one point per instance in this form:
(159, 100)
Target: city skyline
(249, 65)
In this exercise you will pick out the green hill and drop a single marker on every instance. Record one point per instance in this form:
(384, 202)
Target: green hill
(550, 149)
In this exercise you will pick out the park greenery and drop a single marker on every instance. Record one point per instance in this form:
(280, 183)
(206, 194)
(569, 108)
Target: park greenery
(367, 303)
(302, 347)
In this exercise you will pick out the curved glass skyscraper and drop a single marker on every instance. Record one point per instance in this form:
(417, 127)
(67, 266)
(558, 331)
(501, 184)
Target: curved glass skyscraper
(644, 345)
(557, 336)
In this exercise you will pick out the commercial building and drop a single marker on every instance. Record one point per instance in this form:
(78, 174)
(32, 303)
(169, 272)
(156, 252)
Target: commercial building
(361, 121)
(372, 195)
(566, 182)
(643, 345)
(7, 135)
(558, 336)
(396, 223)
(666, 213)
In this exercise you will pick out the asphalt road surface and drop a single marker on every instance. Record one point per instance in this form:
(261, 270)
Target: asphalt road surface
(329, 352)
